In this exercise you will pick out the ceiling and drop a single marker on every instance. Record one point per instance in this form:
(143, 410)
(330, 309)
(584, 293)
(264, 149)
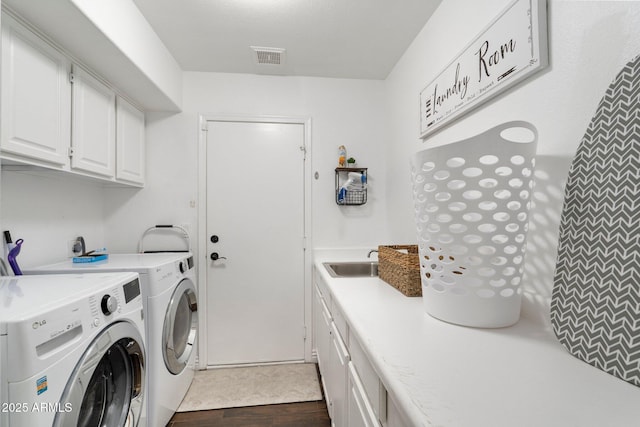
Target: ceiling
(361, 39)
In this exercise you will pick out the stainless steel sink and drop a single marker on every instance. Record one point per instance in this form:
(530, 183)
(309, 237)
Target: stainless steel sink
(352, 269)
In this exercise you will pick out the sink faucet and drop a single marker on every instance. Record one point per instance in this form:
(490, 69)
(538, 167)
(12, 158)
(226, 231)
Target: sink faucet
(370, 252)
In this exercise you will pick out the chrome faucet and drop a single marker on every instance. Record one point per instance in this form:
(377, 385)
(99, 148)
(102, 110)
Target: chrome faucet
(370, 252)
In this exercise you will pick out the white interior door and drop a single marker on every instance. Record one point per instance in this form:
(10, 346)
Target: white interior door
(255, 208)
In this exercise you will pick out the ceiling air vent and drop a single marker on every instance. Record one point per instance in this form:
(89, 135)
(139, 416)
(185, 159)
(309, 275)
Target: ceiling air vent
(268, 55)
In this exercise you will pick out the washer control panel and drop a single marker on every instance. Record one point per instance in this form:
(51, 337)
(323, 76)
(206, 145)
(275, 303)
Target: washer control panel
(108, 305)
(185, 265)
(113, 301)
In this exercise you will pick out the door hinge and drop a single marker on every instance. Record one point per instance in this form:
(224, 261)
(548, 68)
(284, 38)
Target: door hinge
(304, 151)
(304, 333)
(71, 151)
(304, 243)
(71, 78)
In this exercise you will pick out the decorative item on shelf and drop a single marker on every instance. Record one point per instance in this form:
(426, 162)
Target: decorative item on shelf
(351, 162)
(472, 201)
(91, 256)
(399, 266)
(342, 156)
(351, 186)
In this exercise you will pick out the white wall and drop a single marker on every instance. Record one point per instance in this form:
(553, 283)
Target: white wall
(589, 41)
(49, 210)
(170, 192)
(349, 112)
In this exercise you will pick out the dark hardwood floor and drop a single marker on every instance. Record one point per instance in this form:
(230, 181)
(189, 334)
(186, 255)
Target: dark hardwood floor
(303, 414)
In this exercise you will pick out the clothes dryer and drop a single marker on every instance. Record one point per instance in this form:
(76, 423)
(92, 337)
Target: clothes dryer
(72, 351)
(170, 301)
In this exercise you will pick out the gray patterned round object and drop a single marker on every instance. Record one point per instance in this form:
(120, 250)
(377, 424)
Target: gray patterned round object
(595, 306)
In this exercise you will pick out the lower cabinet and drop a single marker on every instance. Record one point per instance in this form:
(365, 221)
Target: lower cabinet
(394, 416)
(354, 394)
(373, 388)
(322, 338)
(333, 357)
(360, 411)
(337, 377)
(321, 329)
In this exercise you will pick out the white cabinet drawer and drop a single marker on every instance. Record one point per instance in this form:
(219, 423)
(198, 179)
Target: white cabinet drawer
(322, 287)
(340, 322)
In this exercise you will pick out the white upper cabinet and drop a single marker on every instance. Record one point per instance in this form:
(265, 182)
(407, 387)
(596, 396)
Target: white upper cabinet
(36, 101)
(130, 164)
(116, 39)
(93, 131)
(60, 116)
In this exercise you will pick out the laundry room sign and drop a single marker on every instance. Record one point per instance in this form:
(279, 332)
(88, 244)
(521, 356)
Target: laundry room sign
(510, 49)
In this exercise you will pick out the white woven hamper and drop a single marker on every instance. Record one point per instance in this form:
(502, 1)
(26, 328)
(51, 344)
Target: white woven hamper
(472, 201)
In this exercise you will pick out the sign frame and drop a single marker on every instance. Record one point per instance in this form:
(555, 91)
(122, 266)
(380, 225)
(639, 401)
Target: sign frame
(511, 48)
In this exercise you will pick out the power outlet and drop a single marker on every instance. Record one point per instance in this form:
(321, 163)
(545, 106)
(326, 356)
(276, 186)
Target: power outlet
(74, 244)
(70, 245)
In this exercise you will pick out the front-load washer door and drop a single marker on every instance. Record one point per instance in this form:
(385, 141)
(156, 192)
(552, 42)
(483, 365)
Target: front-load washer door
(180, 327)
(106, 388)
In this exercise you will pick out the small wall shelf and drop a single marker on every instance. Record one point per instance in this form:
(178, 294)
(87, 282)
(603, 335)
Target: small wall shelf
(350, 197)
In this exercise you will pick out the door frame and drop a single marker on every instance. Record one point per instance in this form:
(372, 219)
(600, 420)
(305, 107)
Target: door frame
(203, 120)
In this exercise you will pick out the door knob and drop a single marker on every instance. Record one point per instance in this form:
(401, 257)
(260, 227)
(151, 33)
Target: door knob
(215, 256)
(214, 239)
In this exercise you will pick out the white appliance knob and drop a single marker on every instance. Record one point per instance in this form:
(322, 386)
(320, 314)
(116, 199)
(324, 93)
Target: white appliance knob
(109, 304)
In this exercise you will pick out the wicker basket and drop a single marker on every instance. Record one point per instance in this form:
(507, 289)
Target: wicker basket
(400, 270)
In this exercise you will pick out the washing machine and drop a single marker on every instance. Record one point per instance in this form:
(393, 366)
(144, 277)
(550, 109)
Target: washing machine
(170, 302)
(72, 351)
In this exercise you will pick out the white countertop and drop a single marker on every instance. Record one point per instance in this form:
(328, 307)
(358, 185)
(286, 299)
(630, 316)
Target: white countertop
(440, 374)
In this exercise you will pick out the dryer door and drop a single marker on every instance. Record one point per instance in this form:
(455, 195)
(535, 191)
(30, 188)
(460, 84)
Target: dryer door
(107, 385)
(180, 327)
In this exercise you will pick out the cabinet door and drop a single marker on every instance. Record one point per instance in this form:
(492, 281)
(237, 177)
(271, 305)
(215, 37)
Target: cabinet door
(36, 98)
(130, 146)
(93, 136)
(374, 390)
(360, 413)
(323, 333)
(337, 377)
(394, 416)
